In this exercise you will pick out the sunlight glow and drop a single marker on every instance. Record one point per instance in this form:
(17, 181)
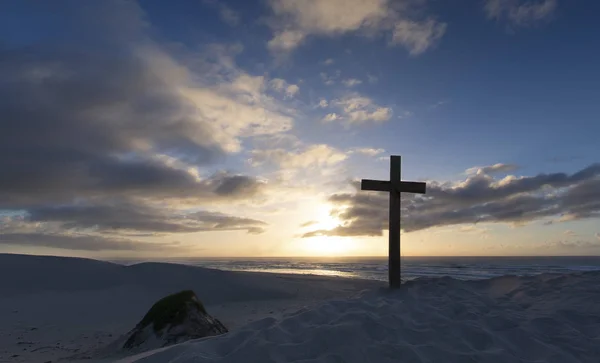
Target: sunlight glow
(329, 246)
(323, 218)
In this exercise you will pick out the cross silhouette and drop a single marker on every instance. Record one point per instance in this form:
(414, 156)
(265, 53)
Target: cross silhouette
(394, 186)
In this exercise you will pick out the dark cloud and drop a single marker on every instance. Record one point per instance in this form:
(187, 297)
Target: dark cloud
(103, 226)
(236, 185)
(77, 124)
(480, 198)
(129, 216)
(98, 138)
(84, 242)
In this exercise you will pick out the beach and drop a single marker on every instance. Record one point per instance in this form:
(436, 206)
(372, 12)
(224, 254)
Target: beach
(66, 309)
(57, 307)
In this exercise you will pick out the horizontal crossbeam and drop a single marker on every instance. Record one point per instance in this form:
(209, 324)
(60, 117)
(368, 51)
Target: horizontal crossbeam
(385, 186)
(376, 185)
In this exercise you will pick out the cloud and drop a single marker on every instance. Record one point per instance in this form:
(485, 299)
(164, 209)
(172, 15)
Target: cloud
(286, 40)
(294, 21)
(439, 104)
(99, 122)
(330, 117)
(308, 224)
(418, 37)
(372, 78)
(519, 13)
(277, 141)
(310, 156)
(227, 14)
(356, 109)
(479, 198)
(351, 82)
(235, 185)
(405, 114)
(87, 243)
(328, 61)
(368, 151)
(323, 103)
(280, 85)
(473, 229)
(133, 216)
(109, 115)
(109, 224)
(496, 168)
(330, 79)
(571, 247)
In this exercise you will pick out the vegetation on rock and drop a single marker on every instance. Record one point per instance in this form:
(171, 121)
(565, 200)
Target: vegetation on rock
(171, 310)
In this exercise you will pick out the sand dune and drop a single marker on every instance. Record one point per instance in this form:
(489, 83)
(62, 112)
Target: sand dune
(548, 318)
(288, 318)
(55, 307)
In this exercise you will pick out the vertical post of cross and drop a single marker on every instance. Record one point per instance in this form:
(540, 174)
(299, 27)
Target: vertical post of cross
(395, 186)
(394, 222)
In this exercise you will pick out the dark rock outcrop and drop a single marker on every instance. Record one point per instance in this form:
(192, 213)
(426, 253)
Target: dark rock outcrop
(171, 320)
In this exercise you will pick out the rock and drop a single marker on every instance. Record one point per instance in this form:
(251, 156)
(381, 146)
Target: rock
(171, 320)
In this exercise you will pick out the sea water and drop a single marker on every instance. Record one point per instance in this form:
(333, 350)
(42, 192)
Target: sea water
(375, 268)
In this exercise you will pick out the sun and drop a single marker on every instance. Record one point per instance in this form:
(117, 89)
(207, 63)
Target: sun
(326, 245)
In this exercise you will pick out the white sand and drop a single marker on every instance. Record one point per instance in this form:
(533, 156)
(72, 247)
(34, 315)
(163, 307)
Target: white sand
(547, 318)
(53, 307)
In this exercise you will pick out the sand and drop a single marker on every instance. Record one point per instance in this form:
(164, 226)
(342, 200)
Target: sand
(545, 318)
(56, 307)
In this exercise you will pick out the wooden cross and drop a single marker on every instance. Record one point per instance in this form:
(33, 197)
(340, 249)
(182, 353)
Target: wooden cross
(394, 186)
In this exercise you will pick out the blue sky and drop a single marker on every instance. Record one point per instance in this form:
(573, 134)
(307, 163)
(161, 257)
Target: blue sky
(238, 127)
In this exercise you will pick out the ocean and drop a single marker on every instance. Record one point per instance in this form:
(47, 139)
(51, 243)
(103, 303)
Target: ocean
(375, 268)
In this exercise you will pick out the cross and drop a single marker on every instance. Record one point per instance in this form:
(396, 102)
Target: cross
(394, 186)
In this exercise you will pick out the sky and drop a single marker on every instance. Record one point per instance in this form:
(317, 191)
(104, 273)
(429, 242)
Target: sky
(243, 128)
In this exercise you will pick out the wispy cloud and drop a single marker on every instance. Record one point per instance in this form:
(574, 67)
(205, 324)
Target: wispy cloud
(288, 89)
(439, 104)
(491, 169)
(308, 224)
(294, 21)
(368, 151)
(330, 117)
(418, 37)
(330, 78)
(521, 13)
(227, 14)
(351, 82)
(356, 109)
(372, 79)
(309, 156)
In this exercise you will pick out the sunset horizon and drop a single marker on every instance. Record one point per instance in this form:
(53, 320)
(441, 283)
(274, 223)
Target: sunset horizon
(214, 128)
